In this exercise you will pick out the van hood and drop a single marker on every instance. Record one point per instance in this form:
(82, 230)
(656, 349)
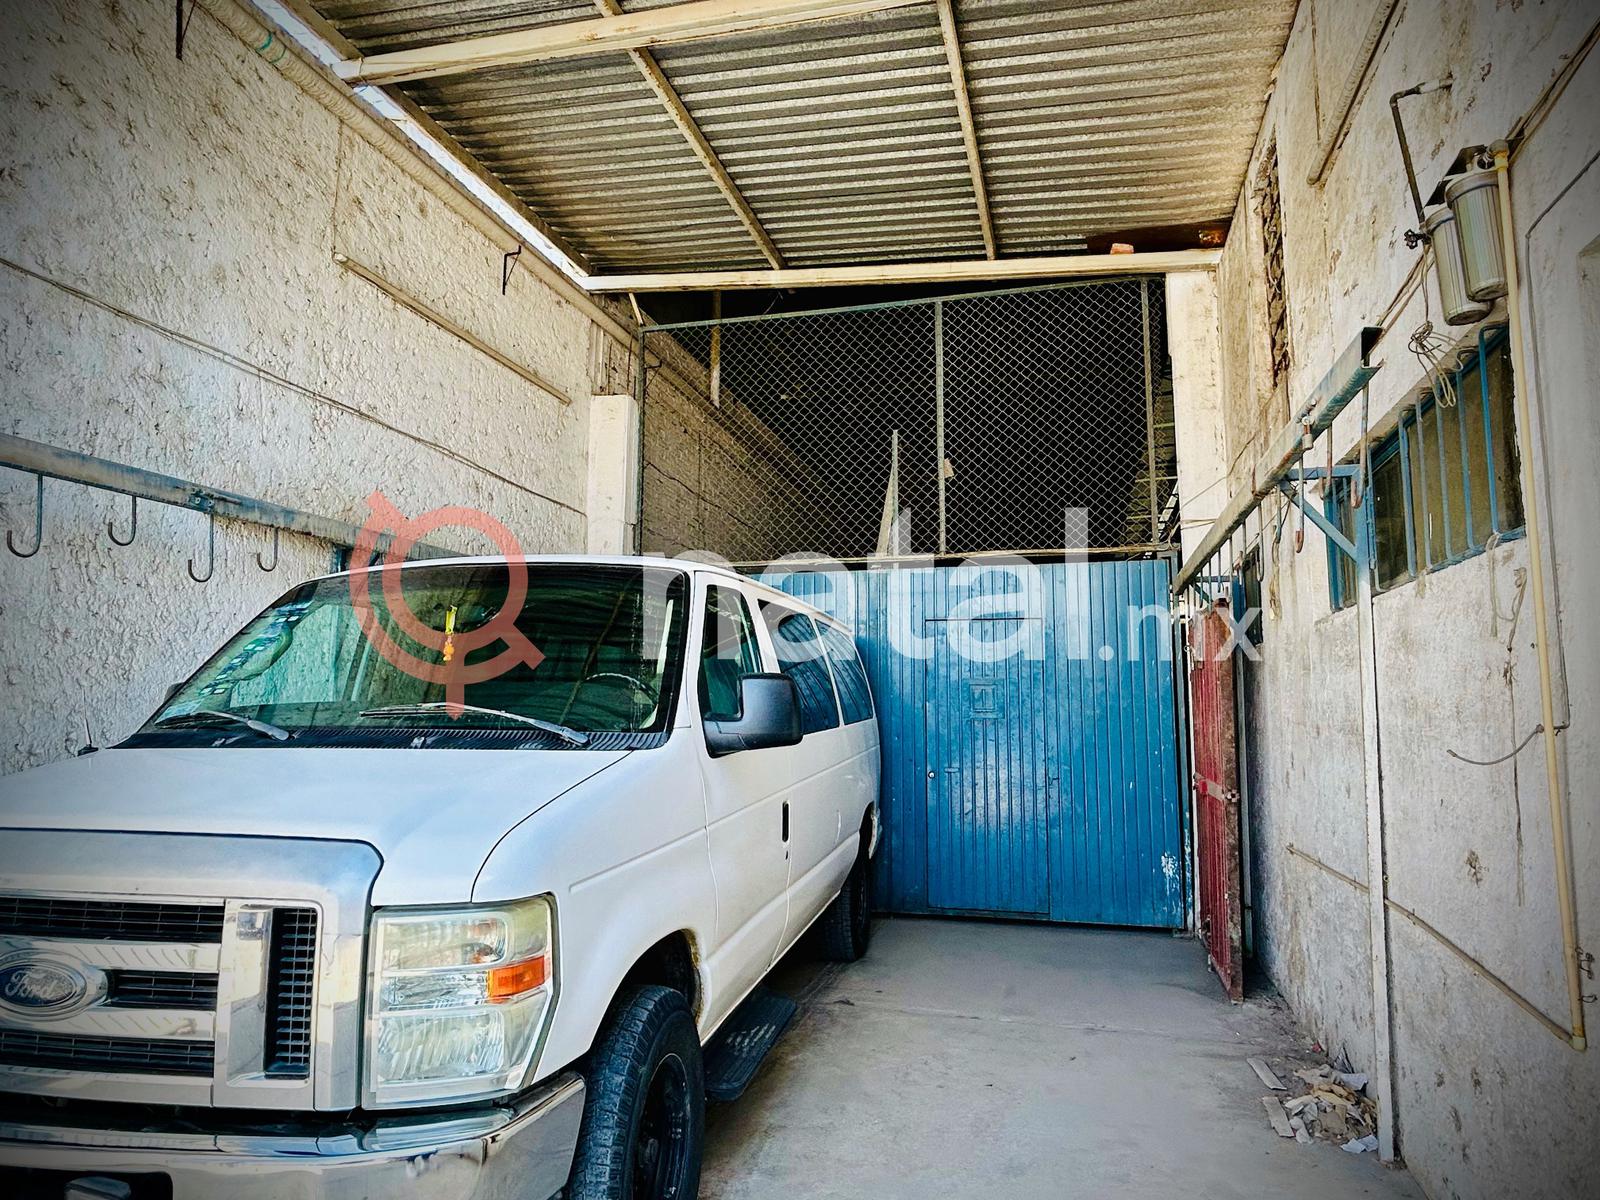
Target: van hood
(432, 814)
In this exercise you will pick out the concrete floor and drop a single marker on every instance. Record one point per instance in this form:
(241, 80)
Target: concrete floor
(967, 1059)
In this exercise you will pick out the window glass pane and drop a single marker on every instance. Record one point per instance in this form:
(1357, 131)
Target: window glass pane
(1471, 388)
(802, 658)
(1250, 588)
(1429, 513)
(1342, 570)
(728, 651)
(1419, 514)
(1503, 439)
(848, 674)
(1389, 523)
(1447, 425)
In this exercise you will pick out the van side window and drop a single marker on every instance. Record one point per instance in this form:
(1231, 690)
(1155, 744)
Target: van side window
(728, 650)
(802, 658)
(849, 674)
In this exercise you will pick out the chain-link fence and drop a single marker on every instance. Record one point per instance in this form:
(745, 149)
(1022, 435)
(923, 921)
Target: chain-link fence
(1005, 421)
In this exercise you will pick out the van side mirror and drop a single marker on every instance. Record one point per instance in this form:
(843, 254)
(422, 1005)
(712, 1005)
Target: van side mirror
(769, 715)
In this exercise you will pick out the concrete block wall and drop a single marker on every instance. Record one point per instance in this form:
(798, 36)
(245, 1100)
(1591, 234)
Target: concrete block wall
(169, 299)
(1489, 1103)
(716, 480)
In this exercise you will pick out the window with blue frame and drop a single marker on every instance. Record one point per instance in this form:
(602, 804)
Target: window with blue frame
(1444, 483)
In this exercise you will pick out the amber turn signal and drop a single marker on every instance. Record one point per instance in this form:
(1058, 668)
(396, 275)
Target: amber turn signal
(507, 983)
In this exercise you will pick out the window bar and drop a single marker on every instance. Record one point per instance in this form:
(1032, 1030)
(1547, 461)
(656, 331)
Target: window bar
(1444, 484)
(1405, 488)
(1422, 462)
(1488, 435)
(1466, 456)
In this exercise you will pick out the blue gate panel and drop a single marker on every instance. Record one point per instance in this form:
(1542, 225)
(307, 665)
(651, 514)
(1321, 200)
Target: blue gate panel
(1043, 783)
(986, 790)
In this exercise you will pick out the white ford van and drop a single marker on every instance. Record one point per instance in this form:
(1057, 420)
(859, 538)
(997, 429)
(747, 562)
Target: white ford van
(312, 931)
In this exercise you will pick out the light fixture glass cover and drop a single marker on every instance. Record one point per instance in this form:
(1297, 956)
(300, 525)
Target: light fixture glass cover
(1459, 307)
(1474, 199)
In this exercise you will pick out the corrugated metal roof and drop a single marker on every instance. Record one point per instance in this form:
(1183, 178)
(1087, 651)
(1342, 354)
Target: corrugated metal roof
(844, 136)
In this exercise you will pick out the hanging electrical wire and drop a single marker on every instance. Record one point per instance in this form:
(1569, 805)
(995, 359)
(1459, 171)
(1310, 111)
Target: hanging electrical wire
(1428, 346)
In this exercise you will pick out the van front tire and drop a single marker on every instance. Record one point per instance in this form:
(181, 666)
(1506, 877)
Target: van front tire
(644, 1109)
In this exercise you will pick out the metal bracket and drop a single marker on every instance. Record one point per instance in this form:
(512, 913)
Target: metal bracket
(508, 263)
(1341, 471)
(180, 24)
(1320, 520)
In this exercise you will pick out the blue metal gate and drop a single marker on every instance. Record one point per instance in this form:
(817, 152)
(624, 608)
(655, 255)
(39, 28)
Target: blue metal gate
(1030, 763)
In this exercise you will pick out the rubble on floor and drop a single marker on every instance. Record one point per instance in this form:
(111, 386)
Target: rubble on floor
(1333, 1106)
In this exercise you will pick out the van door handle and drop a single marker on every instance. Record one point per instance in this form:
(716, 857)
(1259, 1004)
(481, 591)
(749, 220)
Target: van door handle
(786, 821)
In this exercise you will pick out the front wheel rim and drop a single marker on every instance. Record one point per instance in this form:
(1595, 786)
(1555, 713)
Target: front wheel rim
(661, 1146)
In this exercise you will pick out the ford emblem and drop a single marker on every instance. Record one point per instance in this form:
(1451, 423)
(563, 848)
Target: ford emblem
(49, 987)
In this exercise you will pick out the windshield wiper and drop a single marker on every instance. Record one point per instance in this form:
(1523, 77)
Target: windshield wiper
(207, 716)
(564, 732)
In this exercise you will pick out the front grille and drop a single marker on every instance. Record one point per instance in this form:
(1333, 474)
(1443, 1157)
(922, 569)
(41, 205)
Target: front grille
(128, 921)
(141, 997)
(162, 989)
(291, 966)
(144, 1056)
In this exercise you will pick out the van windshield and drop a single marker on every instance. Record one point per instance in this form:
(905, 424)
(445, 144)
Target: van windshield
(602, 654)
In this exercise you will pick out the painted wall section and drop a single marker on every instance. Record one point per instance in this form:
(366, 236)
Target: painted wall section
(613, 474)
(169, 299)
(1192, 343)
(1488, 1102)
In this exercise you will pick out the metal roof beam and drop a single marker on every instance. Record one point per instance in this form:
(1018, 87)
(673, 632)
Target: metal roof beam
(686, 22)
(969, 131)
(959, 270)
(668, 95)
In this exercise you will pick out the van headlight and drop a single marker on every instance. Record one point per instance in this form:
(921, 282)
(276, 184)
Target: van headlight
(457, 1000)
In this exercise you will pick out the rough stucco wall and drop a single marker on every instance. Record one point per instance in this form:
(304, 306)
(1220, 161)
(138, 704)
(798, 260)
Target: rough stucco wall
(207, 197)
(1488, 1102)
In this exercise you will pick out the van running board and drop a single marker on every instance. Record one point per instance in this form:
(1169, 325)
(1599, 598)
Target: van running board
(741, 1045)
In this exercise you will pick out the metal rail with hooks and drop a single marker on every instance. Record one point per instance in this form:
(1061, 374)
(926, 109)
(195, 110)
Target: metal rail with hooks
(44, 461)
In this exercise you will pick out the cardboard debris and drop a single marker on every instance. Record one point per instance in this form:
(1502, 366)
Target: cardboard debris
(1333, 1107)
(1275, 1114)
(1266, 1074)
(1361, 1145)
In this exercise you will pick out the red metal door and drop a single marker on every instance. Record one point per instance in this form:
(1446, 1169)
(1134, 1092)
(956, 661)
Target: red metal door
(1216, 797)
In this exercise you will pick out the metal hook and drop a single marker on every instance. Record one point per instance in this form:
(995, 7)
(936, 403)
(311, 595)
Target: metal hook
(260, 562)
(211, 549)
(38, 522)
(1300, 516)
(133, 524)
